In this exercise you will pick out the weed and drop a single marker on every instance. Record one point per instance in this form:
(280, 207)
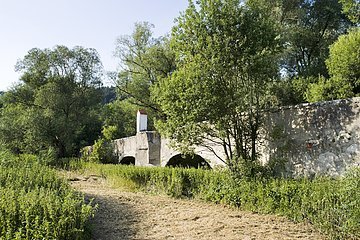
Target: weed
(36, 204)
(332, 205)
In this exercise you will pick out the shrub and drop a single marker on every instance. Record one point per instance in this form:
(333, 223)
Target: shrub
(36, 204)
(101, 152)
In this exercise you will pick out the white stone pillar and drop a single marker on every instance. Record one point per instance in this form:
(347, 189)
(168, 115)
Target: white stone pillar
(141, 121)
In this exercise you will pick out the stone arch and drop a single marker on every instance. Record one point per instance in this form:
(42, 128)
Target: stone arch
(128, 160)
(188, 161)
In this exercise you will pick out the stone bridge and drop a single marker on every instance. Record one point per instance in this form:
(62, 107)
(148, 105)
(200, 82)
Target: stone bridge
(148, 148)
(310, 139)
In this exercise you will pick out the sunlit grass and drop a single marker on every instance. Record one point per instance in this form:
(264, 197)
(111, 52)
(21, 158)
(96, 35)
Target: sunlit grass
(332, 205)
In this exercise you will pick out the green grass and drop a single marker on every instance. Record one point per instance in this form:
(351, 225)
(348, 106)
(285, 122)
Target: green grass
(332, 205)
(36, 204)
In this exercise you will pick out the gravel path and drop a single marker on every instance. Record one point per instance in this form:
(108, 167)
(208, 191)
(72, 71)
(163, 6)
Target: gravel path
(127, 215)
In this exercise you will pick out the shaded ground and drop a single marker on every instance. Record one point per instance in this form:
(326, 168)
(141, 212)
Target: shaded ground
(127, 215)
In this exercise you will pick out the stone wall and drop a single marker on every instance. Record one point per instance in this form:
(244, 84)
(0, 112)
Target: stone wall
(308, 139)
(125, 147)
(167, 153)
(313, 139)
(144, 147)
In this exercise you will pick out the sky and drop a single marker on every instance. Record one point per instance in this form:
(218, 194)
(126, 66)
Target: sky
(27, 24)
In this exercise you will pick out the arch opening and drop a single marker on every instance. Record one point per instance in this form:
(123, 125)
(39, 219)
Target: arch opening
(128, 160)
(188, 161)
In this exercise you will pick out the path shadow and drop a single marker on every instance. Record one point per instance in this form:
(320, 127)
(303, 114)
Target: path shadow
(114, 219)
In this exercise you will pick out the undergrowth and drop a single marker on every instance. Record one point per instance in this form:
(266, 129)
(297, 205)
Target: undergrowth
(332, 205)
(36, 204)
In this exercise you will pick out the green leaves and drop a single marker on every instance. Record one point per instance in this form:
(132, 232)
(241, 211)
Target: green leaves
(145, 60)
(119, 119)
(309, 27)
(352, 9)
(53, 106)
(36, 204)
(225, 55)
(344, 59)
(343, 65)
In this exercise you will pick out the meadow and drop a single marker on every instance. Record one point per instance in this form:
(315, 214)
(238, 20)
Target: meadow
(331, 205)
(35, 203)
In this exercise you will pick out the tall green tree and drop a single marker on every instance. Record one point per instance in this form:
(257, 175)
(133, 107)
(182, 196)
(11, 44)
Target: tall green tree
(55, 105)
(343, 65)
(310, 27)
(144, 60)
(344, 59)
(225, 60)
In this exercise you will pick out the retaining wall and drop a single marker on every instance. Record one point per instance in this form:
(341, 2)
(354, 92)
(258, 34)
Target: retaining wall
(312, 139)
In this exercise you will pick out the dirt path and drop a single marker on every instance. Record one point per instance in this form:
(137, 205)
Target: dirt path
(127, 215)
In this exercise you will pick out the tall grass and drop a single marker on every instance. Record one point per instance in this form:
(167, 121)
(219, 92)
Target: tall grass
(332, 205)
(36, 204)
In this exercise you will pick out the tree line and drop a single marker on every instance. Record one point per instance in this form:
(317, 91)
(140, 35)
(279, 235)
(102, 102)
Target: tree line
(208, 81)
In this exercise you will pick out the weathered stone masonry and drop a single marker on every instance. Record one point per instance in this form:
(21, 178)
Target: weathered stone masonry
(311, 139)
(317, 138)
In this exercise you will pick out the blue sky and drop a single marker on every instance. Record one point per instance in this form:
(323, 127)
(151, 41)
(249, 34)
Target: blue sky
(25, 24)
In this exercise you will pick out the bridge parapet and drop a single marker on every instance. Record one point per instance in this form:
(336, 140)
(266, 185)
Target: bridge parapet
(311, 139)
(148, 148)
(144, 147)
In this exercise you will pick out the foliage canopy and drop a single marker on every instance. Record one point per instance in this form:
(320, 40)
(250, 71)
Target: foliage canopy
(343, 65)
(225, 54)
(144, 60)
(55, 104)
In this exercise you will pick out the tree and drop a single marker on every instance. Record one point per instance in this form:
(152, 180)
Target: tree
(225, 60)
(344, 59)
(328, 89)
(119, 119)
(13, 125)
(352, 9)
(55, 104)
(343, 65)
(145, 60)
(310, 27)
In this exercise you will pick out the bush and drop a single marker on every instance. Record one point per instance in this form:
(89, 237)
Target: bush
(101, 152)
(36, 204)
